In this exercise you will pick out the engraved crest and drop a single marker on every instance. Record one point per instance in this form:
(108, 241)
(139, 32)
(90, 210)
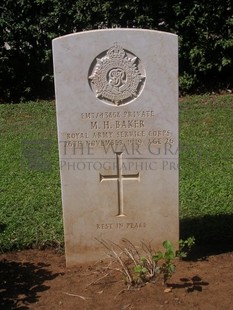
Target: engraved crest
(118, 77)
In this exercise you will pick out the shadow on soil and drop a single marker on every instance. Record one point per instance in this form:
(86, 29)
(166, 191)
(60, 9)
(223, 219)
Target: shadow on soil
(213, 234)
(20, 284)
(193, 284)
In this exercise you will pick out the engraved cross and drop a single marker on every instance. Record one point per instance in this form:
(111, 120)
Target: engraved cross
(119, 177)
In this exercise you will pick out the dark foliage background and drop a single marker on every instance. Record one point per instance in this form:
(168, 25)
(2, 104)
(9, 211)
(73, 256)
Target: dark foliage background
(27, 27)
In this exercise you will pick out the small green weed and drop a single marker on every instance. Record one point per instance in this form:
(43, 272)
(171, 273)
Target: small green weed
(142, 265)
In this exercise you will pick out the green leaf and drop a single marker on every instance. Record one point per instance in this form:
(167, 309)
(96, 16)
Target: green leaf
(157, 256)
(144, 270)
(169, 254)
(167, 245)
(138, 269)
(172, 268)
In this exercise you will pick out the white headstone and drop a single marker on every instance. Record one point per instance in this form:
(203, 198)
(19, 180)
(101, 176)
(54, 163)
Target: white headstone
(117, 116)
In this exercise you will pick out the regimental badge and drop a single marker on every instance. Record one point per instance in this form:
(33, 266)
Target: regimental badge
(118, 77)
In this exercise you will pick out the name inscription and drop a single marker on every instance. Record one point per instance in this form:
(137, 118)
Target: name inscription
(118, 128)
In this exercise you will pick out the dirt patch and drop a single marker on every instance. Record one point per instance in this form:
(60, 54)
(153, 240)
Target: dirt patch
(36, 279)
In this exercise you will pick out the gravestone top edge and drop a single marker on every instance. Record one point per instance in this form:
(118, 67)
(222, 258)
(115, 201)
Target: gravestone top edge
(96, 31)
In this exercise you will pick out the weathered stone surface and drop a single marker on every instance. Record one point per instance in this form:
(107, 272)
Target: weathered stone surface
(117, 115)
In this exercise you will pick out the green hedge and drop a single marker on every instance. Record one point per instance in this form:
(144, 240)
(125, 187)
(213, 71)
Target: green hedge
(205, 29)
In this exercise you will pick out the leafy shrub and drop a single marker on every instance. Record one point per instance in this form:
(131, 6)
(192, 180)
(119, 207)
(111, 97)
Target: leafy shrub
(142, 265)
(206, 44)
(28, 27)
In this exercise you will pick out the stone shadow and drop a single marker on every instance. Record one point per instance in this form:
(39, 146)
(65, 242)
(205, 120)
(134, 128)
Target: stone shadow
(20, 284)
(213, 234)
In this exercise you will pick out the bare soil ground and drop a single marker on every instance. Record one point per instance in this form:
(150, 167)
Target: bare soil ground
(35, 279)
